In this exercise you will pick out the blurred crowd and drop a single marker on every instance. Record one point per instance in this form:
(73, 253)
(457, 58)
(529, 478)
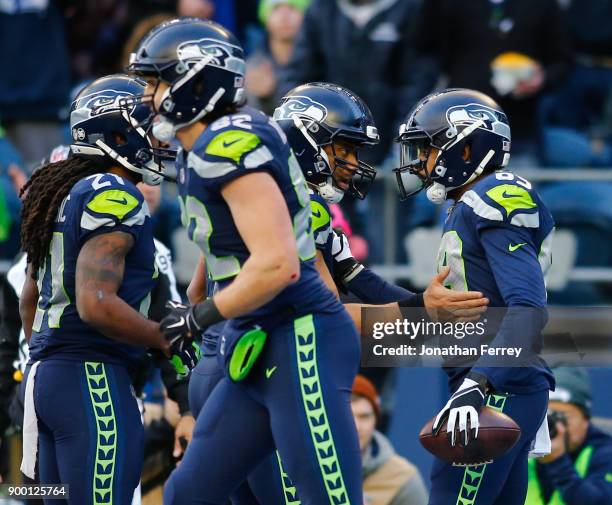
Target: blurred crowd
(548, 63)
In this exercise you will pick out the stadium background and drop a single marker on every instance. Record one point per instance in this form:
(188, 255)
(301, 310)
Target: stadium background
(391, 52)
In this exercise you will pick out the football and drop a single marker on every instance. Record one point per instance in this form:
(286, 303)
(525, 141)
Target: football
(497, 435)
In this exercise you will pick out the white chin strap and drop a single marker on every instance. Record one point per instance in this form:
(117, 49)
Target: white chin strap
(164, 130)
(330, 193)
(152, 177)
(436, 193)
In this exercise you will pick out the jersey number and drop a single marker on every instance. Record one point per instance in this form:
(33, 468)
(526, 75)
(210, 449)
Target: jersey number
(450, 254)
(194, 210)
(303, 219)
(58, 300)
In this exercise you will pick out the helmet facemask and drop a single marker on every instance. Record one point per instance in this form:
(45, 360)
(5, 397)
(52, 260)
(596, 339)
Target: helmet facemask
(323, 176)
(118, 146)
(413, 176)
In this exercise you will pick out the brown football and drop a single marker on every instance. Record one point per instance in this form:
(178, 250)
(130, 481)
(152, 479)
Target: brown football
(497, 435)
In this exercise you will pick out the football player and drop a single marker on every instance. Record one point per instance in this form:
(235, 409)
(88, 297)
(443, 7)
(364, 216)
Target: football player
(89, 243)
(455, 145)
(326, 126)
(246, 205)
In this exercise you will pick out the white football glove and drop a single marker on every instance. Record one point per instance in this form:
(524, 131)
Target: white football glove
(345, 267)
(463, 406)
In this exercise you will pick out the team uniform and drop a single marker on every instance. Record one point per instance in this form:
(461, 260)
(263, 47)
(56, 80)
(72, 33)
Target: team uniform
(79, 396)
(296, 396)
(497, 240)
(265, 483)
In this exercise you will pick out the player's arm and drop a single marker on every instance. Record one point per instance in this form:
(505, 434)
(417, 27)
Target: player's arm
(325, 274)
(27, 303)
(196, 291)
(440, 302)
(273, 263)
(513, 259)
(99, 274)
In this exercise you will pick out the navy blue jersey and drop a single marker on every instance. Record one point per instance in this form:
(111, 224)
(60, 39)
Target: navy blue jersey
(497, 240)
(231, 147)
(100, 203)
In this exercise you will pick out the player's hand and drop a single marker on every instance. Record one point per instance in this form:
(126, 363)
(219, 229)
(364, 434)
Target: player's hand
(443, 304)
(184, 356)
(179, 323)
(558, 445)
(461, 409)
(345, 266)
(182, 435)
(180, 329)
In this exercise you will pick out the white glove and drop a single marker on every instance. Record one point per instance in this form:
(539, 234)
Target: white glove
(462, 406)
(340, 247)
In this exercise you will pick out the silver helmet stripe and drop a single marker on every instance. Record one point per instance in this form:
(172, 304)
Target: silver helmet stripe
(300, 126)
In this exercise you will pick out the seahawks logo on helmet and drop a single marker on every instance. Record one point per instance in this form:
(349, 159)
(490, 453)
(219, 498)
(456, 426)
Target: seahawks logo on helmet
(101, 102)
(494, 120)
(222, 54)
(301, 106)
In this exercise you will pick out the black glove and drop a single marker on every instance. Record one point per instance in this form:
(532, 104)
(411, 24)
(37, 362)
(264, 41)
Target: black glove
(179, 323)
(463, 406)
(184, 357)
(181, 329)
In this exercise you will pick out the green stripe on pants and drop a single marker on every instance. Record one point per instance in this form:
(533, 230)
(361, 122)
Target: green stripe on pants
(473, 475)
(318, 423)
(106, 441)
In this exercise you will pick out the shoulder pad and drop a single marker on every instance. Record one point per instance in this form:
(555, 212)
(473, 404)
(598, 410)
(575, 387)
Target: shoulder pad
(109, 200)
(321, 219)
(506, 197)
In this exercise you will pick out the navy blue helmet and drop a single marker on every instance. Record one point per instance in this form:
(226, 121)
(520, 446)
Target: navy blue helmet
(318, 114)
(450, 120)
(203, 64)
(104, 128)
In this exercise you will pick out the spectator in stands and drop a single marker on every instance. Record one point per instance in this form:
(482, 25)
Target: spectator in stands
(282, 19)
(578, 471)
(96, 32)
(388, 479)
(35, 75)
(512, 50)
(578, 118)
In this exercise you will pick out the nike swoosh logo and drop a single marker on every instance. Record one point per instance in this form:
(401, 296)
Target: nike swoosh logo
(608, 477)
(316, 214)
(122, 202)
(513, 248)
(228, 144)
(506, 195)
(270, 371)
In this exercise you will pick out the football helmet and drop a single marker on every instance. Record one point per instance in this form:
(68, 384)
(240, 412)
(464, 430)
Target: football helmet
(104, 129)
(318, 114)
(449, 120)
(203, 64)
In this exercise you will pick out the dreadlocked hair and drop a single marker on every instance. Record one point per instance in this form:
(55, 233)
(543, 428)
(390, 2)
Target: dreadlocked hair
(44, 193)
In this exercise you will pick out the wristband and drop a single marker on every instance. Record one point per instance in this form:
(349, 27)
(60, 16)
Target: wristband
(415, 300)
(480, 379)
(206, 313)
